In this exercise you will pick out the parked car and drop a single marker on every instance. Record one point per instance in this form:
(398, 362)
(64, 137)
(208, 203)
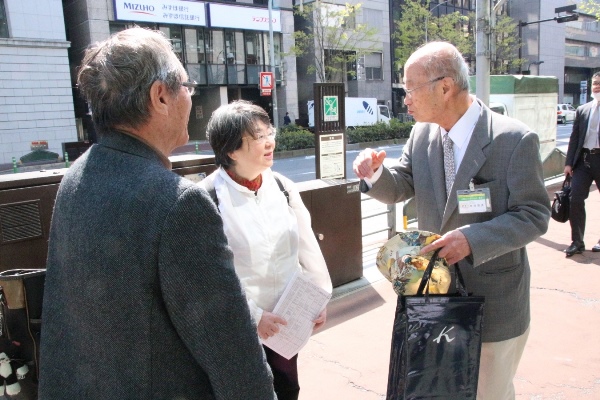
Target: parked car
(565, 113)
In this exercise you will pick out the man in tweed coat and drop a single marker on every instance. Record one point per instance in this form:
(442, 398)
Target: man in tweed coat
(141, 298)
(489, 151)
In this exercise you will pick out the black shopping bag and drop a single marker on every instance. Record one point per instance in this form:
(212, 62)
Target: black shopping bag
(436, 344)
(561, 204)
(21, 296)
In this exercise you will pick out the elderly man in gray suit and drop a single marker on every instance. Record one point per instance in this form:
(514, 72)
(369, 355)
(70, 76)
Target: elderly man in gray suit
(142, 300)
(459, 144)
(583, 165)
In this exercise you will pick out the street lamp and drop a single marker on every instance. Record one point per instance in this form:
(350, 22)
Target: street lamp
(534, 63)
(427, 17)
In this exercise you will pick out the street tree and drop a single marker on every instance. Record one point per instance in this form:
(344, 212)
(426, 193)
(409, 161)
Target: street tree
(333, 39)
(417, 25)
(591, 7)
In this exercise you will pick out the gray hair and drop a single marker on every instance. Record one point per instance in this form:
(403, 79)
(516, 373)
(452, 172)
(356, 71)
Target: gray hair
(115, 76)
(596, 75)
(443, 59)
(228, 124)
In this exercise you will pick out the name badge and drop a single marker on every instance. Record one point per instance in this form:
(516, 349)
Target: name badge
(474, 201)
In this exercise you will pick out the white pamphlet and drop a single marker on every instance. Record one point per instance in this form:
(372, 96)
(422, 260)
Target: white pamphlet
(300, 304)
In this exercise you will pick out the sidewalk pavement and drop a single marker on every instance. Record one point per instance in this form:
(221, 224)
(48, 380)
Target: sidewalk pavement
(349, 358)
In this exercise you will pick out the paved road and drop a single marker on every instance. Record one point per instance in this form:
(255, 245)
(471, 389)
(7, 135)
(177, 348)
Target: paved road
(301, 169)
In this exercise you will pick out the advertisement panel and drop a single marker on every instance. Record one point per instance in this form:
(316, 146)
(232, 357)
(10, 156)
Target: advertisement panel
(224, 16)
(161, 11)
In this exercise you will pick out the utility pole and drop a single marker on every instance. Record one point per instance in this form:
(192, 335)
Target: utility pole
(482, 50)
(272, 51)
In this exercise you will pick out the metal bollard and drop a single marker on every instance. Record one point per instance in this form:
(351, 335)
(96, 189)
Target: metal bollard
(196, 147)
(15, 169)
(67, 160)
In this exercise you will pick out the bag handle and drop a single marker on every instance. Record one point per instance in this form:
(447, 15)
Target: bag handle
(460, 282)
(567, 181)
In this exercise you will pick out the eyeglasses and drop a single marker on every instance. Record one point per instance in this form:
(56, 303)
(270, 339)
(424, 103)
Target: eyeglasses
(596, 83)
(191, 86)
(409, 91)
(261, 139)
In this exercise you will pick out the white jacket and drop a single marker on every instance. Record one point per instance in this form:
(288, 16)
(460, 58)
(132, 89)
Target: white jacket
(270, 239)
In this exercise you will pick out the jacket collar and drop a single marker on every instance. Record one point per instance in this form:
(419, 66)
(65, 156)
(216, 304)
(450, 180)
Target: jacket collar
(128, 143)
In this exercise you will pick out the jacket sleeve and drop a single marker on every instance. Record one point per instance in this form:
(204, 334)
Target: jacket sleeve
(204, 298)
(578, 124)
(309, 253)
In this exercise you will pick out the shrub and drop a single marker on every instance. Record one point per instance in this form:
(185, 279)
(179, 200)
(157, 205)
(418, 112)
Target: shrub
(379, 131)
(294, 137)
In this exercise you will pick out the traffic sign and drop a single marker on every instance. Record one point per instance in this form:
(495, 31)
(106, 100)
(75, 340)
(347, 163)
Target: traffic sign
(267, 81)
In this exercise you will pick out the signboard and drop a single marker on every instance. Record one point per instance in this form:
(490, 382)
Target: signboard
(331, 109)
(583, 92)
(265, 92)
(331, 156)
(161, 11)
(266, 81)
(257, 19)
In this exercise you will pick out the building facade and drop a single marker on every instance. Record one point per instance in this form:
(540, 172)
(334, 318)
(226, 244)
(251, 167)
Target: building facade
(370, 76)
(224, 45)
(570, 51)
(36, 97)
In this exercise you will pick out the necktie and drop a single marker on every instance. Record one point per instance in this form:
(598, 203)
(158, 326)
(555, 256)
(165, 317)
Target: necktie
(448, 163)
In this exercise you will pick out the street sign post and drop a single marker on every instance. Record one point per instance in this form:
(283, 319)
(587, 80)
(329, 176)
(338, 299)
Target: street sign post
(267, 83)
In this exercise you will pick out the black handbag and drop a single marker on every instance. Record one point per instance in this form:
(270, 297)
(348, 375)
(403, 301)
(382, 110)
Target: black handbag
(436, 343)
(21, 297)
(561, 203)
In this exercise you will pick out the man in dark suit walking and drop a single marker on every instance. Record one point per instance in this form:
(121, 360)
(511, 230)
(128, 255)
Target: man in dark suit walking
(142, 300)
(459, 144)
(583, 165)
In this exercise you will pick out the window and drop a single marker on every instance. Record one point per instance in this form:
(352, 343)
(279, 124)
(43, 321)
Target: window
(173, 32)
(3, 21)
(373, 63)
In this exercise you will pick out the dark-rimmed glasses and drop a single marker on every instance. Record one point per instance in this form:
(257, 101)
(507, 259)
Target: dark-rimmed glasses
(190, 86)
(409, 91)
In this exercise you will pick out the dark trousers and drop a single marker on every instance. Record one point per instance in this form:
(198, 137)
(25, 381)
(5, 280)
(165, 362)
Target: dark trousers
(285, 375)
(584, 173)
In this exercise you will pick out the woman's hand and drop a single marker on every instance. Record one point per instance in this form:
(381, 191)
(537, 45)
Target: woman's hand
(269, 324)
(320, 321)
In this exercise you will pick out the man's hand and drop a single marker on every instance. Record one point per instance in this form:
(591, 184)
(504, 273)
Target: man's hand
(367, 162)
(568, 170)
(454, 247)
(269, 325)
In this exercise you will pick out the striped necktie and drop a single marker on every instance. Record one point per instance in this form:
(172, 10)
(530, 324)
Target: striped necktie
(449, 170)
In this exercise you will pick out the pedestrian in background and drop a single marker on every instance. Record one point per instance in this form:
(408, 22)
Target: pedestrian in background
(286, 119)
(140, 303)
(458, 143)
(583, 165)
(270, 235)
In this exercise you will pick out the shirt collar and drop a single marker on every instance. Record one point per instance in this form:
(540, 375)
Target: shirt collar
(462, 129)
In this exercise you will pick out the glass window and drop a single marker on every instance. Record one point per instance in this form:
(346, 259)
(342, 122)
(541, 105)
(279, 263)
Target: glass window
(173, 32)
(373, 63)
(234, 50)
(216, 57)
(195, 54)
(254, 58)
(3, 21)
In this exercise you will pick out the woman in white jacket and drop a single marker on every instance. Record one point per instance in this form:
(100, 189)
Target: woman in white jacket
(270, 235)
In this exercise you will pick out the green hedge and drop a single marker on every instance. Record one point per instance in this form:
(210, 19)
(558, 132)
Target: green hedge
(294, 137)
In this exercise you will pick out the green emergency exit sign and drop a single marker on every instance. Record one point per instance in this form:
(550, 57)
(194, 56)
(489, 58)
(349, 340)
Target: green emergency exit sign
(331, 110)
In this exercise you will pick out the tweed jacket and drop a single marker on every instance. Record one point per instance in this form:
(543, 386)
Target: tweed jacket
(141, 298)
(502, 155)
(580, 126)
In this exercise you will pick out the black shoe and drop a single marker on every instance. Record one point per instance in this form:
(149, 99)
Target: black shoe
(596, 248)
(576, 248)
